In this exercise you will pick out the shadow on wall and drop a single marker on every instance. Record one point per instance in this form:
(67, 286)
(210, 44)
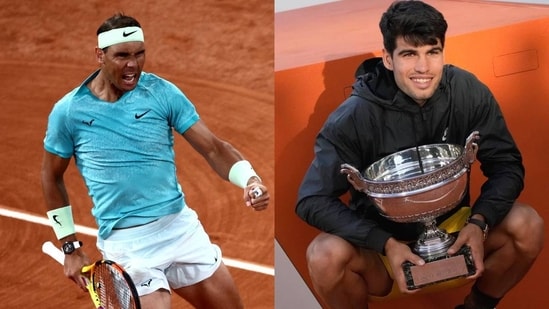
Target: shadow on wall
(292, 160)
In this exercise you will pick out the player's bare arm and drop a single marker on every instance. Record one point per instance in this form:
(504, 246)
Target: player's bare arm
(229, 164)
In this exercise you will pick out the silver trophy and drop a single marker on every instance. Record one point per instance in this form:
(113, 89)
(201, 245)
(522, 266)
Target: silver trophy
(418, 185)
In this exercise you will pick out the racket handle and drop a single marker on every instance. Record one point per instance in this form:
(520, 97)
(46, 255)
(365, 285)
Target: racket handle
(50, 249)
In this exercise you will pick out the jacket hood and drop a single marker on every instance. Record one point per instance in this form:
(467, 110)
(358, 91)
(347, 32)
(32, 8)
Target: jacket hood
(366, 75)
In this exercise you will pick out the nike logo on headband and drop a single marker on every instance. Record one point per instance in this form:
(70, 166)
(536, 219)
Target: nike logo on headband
(124, 34)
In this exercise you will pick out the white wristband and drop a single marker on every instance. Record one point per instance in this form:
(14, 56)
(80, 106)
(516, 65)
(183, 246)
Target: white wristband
(61, 221)
(241, 172)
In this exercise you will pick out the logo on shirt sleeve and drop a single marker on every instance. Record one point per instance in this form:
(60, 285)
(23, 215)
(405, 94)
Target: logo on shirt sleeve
(88, 123)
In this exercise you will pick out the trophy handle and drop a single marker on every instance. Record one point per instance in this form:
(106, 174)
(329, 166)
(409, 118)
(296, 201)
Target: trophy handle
(354, 177)
(471, 148)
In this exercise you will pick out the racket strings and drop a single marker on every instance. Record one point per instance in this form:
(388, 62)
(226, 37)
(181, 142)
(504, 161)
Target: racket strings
(112, 287)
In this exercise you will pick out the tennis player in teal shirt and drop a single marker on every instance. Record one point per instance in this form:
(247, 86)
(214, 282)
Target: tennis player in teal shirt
(118, 126)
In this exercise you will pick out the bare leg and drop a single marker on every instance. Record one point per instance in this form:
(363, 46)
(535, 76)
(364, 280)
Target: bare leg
(160, 299)
(344, 275)
(510, 250)
(219, 291)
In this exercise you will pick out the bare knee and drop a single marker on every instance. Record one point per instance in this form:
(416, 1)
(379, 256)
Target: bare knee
(345, 274)
(328, 256)
(526, 228)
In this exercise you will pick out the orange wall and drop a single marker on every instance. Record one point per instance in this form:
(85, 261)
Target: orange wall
(512, 60)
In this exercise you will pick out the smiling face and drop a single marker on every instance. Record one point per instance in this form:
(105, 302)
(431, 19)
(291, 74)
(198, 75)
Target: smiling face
(121, 65)
(417, 69)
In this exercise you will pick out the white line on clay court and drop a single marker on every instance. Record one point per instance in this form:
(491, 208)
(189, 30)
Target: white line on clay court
(7, 212)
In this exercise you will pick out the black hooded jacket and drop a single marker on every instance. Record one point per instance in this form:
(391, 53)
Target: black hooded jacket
(377, 120)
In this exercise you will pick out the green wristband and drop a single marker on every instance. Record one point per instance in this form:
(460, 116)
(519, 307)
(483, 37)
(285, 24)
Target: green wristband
(241, 172)
(62, 222)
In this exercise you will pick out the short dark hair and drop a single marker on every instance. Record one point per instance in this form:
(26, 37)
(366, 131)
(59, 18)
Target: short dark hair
(118, 20)
(416, 22)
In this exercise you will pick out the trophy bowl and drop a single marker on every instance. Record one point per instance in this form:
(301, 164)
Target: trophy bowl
(418, 185)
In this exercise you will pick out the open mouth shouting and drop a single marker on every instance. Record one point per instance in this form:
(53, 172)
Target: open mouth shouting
(129, 79)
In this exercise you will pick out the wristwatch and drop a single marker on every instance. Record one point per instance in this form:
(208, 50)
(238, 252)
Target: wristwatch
(70, 246)
(483, 225)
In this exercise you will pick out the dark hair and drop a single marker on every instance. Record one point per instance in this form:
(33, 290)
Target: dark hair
(416, 22)
(118, 20)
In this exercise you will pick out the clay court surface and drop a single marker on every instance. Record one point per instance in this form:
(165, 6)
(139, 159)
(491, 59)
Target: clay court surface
(220, 53)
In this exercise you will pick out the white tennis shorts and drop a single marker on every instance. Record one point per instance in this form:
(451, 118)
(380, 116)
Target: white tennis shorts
(171, 252)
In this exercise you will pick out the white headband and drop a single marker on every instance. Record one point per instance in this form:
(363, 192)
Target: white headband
(120, 35)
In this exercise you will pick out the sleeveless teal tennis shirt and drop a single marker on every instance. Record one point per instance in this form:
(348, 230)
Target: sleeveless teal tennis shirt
(124, 150)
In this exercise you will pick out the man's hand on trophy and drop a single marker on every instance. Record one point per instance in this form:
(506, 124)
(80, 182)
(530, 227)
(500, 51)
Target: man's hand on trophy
(398, 253)
(473, 237)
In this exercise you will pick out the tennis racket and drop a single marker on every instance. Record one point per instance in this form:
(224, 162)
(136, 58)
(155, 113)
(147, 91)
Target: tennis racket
(110, 287)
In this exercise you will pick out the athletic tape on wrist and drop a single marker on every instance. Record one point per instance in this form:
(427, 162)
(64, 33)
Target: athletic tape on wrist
(62, 222)
(241, 172)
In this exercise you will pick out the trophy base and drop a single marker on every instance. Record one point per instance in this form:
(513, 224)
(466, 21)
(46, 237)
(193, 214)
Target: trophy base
(439, 269)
